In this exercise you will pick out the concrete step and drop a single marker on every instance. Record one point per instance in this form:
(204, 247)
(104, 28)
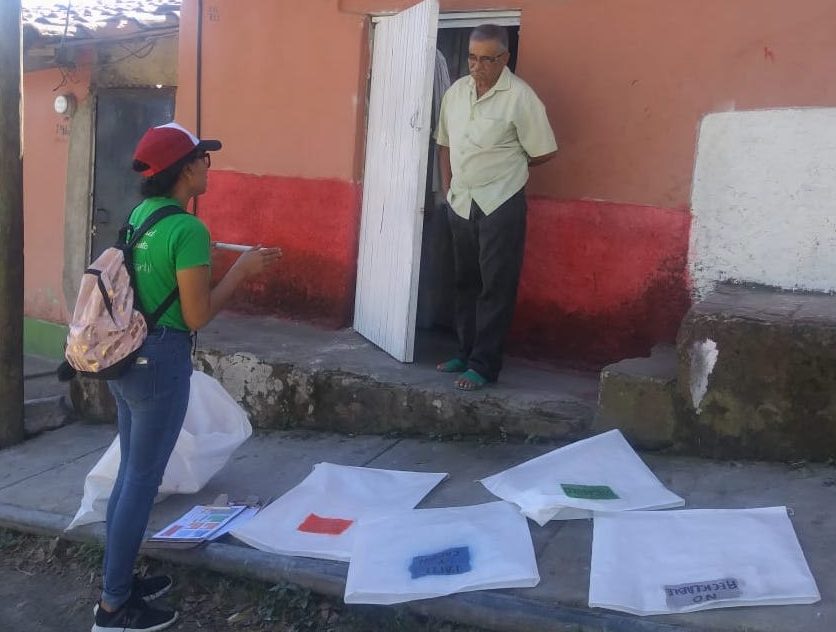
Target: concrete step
(46, 402)
(639, 396)
(46, 413)
(293, 375)
(757, 374)
(753, 376)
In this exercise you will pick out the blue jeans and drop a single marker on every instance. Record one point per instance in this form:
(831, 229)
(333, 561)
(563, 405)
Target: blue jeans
(151, 400)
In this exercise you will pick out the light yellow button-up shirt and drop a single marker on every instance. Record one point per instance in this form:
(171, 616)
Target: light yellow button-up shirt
(491, 140)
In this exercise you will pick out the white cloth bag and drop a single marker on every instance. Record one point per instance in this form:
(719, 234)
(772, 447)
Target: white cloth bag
(214, 427)
(426, 553)
(602, 473)
(317, 518)
(680, 561)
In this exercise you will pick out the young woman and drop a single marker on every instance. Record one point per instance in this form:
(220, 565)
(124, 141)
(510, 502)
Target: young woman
(151, 398)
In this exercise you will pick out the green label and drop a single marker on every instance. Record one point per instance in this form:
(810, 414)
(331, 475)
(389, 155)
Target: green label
(589, 492)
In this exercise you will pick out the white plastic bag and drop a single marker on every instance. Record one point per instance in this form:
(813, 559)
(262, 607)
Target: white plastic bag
(214, 427)
(317, 518)
(663, 562)
(426, 553)
(602, 473)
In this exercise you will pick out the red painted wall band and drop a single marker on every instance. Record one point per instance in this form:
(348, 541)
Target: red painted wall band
(601, 281)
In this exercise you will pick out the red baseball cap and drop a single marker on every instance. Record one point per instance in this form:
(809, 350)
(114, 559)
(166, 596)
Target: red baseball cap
(162, 146)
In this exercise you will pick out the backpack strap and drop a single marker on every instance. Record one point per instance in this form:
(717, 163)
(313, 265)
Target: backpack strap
(127, 247)
(151, 320)
(153, 218)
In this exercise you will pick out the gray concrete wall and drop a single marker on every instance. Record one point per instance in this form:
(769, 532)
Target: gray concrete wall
(77, 208)
(757, 370)
(137, 64)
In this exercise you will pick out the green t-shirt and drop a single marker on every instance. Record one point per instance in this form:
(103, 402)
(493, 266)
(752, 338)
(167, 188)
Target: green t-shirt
(175, 243)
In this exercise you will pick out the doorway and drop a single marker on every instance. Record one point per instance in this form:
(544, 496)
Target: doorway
(122, 117)
(399, 174)
(436, 285)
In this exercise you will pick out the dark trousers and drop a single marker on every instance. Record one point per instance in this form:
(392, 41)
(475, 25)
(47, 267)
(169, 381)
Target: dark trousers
(488, 252)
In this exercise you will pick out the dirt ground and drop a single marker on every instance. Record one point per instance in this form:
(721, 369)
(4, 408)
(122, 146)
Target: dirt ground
(50, 585)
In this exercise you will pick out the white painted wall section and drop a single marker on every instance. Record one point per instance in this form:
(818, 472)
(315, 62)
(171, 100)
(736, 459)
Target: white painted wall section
(764, 200)
(703, 358)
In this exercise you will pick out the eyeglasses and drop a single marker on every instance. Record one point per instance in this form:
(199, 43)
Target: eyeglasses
(484, 59)
(206, 158)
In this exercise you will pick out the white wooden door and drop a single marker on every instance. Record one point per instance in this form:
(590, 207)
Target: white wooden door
(394, 183)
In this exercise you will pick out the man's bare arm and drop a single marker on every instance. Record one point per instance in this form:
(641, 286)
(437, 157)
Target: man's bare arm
(539, 160)
(446, 169)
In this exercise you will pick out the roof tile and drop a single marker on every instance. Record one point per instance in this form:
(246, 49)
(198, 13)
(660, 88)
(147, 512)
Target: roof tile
(44, 22)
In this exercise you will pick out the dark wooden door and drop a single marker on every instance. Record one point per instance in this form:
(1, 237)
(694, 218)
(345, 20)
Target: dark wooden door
(122, 117)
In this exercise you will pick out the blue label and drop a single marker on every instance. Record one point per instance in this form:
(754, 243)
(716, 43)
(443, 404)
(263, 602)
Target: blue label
(455, 561)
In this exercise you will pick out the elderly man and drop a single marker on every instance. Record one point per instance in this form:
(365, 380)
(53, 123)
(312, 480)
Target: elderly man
(492, 128)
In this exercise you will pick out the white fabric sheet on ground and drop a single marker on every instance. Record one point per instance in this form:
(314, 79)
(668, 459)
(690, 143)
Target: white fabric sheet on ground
(427, 553)
(317, 518)
(214, 427)
(602, 473)
(664, 562)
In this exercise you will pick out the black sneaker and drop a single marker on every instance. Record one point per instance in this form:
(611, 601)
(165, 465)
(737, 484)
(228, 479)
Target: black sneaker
(134, 616)
(149, 588)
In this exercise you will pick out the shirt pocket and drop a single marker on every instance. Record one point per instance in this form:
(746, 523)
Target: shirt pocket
(485, 133)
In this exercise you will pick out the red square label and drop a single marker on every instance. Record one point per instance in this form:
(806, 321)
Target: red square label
(324, 526)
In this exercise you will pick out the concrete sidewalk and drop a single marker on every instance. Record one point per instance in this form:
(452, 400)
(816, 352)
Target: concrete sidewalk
(41, 486)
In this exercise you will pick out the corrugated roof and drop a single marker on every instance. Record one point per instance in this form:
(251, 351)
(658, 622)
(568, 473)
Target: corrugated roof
(44, 22)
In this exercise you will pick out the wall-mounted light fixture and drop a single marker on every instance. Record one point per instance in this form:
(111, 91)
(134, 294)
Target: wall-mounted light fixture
(64, 104)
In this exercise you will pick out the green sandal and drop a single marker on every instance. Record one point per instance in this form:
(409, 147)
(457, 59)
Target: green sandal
(456, 365)
(470, 380)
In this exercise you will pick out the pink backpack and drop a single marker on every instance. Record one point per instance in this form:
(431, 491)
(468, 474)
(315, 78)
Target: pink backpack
(109, 324)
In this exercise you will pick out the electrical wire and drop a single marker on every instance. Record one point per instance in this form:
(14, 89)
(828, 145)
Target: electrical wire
(65, 73)
(66, 25)
(140, 53)
(69, 71)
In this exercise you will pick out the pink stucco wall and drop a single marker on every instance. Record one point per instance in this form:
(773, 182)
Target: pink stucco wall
(45, 151)
(625, 82)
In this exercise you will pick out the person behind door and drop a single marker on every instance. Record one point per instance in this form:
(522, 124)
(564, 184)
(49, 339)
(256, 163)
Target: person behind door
(492, 128)
(151, 398)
